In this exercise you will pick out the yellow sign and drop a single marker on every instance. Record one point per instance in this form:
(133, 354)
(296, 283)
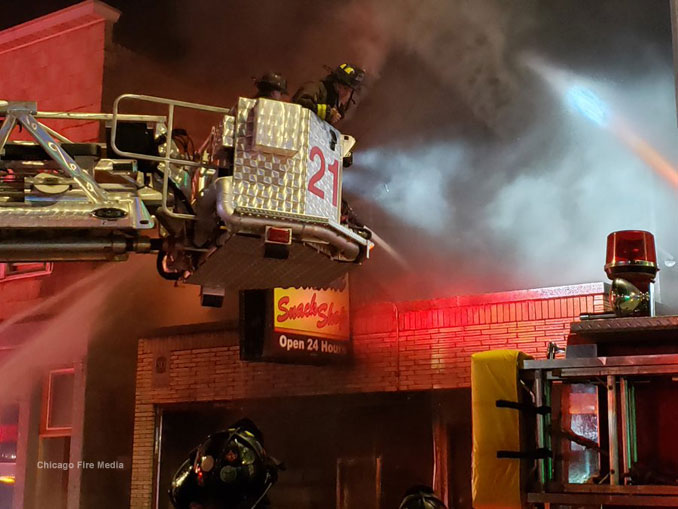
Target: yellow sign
(312, 312)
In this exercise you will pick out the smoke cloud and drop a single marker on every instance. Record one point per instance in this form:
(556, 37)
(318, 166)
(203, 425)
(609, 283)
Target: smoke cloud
(540, 209)
(531, 201)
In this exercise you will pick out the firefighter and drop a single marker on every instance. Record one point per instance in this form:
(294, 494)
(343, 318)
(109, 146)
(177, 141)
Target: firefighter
(421, 497)
(271, 85)
(331, 97)
(229, 470)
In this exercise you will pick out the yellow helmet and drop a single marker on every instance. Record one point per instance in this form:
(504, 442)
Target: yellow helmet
(350, 75)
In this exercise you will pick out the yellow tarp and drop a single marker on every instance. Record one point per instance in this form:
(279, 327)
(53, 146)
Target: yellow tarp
(496, 482)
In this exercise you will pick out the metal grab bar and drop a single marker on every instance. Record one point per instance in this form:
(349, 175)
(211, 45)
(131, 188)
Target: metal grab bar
(100, 117)
(167, 159)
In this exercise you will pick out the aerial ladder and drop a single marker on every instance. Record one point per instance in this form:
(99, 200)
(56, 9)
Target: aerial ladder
(258, 205)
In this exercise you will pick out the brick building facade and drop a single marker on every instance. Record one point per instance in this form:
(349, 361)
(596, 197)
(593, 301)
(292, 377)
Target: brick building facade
(398, 347)
(56, 60)
(69, 61)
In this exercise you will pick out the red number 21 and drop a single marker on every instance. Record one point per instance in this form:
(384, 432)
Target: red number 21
(334, 170)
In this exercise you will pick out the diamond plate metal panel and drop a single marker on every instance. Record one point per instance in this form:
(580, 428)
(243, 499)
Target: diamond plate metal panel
(265, 182)
(240, 264)
(223, 135)
(73, 214)
(277, 127)
(287, 162)
(227, 131)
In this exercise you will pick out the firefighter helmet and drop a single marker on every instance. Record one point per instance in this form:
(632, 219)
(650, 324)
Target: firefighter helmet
(421, 497)
(350, 75)
(229, 469)
(271, 81)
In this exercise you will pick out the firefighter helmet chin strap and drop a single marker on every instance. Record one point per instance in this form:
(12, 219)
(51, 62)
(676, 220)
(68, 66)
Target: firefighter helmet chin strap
(256, 446)
(348, 75)
(343, 109)
(269, 483)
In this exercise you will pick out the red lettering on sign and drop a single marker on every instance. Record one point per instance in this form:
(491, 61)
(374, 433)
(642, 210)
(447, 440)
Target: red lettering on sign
(327, 315)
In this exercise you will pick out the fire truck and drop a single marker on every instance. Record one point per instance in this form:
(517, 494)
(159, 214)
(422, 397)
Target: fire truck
(591, 425)
(258, 205)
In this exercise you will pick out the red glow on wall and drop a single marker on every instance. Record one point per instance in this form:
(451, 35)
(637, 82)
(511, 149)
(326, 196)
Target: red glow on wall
(8, 433)
(397, 346)
(65, 50)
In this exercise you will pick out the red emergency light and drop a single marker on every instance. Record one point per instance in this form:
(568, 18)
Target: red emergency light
(631, 251)
(631, 264)
(278, 235)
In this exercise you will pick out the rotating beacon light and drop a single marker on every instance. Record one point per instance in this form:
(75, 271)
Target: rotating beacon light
(631, 264)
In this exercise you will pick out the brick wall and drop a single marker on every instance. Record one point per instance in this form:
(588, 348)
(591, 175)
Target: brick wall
(397, 347)
(58, 61)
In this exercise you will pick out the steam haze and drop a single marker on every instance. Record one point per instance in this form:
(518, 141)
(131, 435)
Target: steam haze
(114, 304)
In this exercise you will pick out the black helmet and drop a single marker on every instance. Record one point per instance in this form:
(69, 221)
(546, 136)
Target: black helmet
(350, 75)
(229, 469)
(421, 497)
(272, 81)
